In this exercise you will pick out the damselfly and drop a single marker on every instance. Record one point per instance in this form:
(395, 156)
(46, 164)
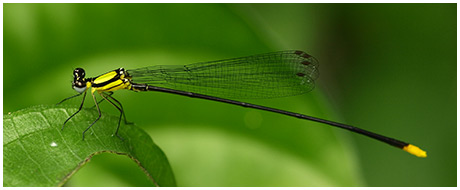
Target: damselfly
(270, 75)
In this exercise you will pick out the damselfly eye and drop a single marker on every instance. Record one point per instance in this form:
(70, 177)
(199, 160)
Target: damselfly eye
(78, 73)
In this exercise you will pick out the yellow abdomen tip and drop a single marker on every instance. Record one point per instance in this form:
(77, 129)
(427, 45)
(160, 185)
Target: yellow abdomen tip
(415, 151)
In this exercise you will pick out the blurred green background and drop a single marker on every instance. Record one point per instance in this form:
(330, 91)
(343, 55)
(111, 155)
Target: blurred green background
(387, 68)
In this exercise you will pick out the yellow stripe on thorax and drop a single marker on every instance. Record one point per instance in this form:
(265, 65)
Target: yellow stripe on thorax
(105, 77)
(116, 85)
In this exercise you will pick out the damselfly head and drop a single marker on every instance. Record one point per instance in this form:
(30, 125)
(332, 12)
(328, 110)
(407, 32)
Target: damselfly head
(78, 83)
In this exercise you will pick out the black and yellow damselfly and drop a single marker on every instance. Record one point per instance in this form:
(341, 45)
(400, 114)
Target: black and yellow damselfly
(270, 75)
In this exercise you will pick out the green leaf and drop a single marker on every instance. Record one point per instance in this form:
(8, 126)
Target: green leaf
(36, 152)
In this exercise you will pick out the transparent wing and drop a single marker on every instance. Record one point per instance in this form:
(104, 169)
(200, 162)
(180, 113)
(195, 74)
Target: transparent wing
(269, 75)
